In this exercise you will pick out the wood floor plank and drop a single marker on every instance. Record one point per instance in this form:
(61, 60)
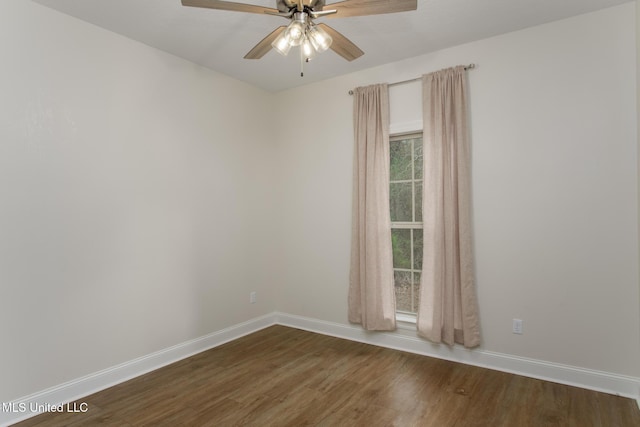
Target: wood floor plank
(282, 376)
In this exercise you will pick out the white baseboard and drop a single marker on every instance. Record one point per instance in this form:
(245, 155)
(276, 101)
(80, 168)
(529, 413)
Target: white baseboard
(564, 374)
(20, 409)
(71, 391)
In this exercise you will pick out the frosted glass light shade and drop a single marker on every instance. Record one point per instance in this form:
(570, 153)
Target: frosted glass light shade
(320, 39)
(281, 44)
(295, 33)
(308, 51)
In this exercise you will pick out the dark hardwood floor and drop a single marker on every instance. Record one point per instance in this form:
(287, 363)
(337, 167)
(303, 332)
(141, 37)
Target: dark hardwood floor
(286, 377)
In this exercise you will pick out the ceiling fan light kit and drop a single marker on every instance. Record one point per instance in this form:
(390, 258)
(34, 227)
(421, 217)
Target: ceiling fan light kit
(302, 31)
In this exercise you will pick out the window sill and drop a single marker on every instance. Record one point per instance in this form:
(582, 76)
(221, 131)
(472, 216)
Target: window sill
(406, 321)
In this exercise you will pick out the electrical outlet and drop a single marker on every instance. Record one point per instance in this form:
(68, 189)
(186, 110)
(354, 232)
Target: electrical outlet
(252, 297)
(517, 326)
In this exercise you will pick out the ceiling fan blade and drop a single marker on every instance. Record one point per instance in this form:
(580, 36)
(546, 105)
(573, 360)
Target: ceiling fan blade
(227, 5)
(264, 46)
(349, 8)
(342, 45)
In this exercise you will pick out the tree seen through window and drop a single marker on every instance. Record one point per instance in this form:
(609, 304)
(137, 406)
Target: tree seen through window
(405, 193)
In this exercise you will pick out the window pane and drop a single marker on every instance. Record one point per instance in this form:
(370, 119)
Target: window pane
(416, 291)
(417, 153)
(401, 244)
(407, 164)
(417, 249)
(400, 201)
(403, 290)
(418, 201)
(400, 153)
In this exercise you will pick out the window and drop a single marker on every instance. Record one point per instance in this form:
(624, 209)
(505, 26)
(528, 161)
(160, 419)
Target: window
(405, 194)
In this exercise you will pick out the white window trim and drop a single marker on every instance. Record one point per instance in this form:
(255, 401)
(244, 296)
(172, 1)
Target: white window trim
(396, 129)
(407, 320)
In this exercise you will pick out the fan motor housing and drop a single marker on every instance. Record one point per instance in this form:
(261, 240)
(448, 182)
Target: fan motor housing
(287, 5)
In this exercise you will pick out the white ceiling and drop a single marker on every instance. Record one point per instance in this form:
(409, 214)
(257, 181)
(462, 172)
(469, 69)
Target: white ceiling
(219, 39)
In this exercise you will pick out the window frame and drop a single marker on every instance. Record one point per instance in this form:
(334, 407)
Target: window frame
(401, 315)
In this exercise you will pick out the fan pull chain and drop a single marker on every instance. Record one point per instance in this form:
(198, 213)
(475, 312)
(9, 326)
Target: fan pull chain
(301, 62)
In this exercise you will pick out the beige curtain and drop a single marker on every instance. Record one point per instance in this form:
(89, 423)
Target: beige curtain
(448, 305)
(371, 293)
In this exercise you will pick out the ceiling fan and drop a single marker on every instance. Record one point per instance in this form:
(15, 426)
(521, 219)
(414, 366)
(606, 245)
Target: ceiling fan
(302, 30)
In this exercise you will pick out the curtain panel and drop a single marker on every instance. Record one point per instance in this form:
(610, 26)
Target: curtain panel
(448, 304)
(371, 291)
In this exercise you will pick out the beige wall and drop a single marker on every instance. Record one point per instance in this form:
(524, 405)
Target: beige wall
(553, 114)
(135, 208)
(138, 209)
(638, 113)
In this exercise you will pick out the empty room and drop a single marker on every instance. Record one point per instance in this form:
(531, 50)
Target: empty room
(308, 212)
